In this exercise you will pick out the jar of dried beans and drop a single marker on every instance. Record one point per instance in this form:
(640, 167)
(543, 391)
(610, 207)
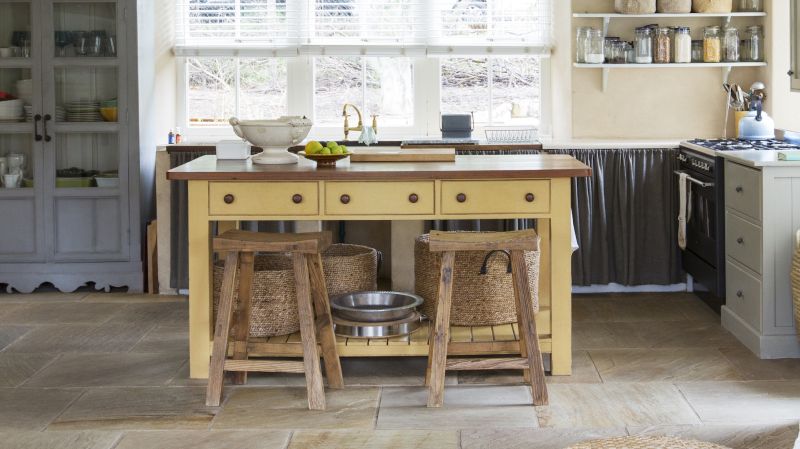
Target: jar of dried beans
(663, 46)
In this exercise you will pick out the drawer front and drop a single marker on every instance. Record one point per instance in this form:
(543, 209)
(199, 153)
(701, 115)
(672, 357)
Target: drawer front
(743, 295)
(495, 197)
(743, 242)
(379, 198)
(263, 198)
(743, 189)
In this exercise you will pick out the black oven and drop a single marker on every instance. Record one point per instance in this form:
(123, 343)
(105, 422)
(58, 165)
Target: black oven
(704, 255)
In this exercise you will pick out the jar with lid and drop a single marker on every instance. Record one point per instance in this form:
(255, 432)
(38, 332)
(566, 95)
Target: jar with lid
(580, 44)
(593, 53)
(643, 46)
(683, 45)
(663, 50)
(630, 54)
(618, 49)
(730, 48)
(608, 46)
(750, 6)
(697, 51)
(712, 44)
(753, 49)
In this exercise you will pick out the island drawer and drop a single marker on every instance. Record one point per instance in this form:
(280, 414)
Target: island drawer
(743, 295)
(743, 189)
(263, 198)
(495, 197)
(743, 242)
(379, 198)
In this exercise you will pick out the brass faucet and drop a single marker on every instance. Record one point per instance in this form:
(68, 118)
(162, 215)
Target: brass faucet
(360, 126)
(347, 127)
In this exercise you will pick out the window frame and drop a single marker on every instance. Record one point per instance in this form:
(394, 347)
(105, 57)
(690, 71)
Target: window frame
(795, 45)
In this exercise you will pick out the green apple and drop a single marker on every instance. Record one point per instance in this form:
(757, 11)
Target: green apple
(344, 149)
(313, 147)
(337, 150)
(332, 144)
(325, 150)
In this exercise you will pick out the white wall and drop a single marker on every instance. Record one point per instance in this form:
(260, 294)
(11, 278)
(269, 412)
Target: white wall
(782, 103)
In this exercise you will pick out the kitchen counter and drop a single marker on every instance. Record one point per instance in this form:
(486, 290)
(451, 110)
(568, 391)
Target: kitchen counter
(473, 187)
(755, 158)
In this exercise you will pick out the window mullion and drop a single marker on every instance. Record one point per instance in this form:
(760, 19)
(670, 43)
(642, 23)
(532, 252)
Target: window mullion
(490, 84)
(237, 86)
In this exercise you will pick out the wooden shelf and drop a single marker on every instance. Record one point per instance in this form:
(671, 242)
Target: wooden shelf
(693, 15)
(85, 61)
(86, 127)
(16, 63)
(725, 66)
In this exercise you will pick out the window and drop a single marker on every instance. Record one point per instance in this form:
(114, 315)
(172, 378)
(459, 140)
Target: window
(377, 86)
(403, 60)
(497, 91)
(248, 88)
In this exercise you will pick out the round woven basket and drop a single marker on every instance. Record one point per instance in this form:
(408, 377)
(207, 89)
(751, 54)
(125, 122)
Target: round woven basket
(644, 442)
(478, 299)
(796, 284)
(273, 308)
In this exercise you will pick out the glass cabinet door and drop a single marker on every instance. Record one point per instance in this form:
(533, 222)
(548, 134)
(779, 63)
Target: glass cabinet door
(21, 224)
(87, 163)
(16, 39)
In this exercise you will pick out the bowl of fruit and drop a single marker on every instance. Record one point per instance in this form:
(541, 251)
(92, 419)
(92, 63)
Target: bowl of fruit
(325, 155)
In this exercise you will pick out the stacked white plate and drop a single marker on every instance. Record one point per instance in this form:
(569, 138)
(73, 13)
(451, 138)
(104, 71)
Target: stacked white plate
(61, 114)
(83, 111)
(11, 110)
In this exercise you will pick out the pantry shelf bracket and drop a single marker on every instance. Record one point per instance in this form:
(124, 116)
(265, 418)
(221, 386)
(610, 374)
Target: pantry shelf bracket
(606, 22)
(727, 20)
(726, 74)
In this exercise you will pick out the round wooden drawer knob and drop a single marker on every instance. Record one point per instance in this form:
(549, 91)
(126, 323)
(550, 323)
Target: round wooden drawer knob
(740, 294)
(413, 198)
(529, 197)
(740, 240)
(461, 198)
(228, 198)
(344, 198)
(739, 189)
(297, 198)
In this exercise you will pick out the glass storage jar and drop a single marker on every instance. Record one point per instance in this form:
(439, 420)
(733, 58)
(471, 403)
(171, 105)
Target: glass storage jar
(580, 44)
(750, 6)
(730, 49)
(643, 46)
(697, 51)
(712, 44)
(608, 46)
(630, 54)
(753, 44)
(683, 45)
(594, 47)
(618, 52)
(663, 50)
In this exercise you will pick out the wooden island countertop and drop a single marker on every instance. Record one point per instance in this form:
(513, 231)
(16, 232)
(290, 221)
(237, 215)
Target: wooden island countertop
(473, 187)
(208, 168)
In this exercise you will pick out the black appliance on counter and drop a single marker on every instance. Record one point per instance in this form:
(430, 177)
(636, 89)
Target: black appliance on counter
(704, 256)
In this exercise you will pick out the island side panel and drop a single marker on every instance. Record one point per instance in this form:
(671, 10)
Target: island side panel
(200, 287)
(561, 276)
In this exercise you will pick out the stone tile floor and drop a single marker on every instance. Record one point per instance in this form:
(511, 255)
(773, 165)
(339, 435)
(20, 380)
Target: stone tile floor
(101, 371)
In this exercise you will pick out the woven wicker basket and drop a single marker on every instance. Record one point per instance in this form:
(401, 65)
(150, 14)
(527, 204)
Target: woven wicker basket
(273, 309)
(712, 6)
(796, 284)
(478, 299)
(645, 442)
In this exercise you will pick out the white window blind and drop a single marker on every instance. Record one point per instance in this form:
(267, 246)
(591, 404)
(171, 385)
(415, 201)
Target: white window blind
(359, 27)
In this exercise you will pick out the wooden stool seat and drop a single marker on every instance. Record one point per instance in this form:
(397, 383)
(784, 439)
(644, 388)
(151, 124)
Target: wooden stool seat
(530, 360)
(239, 248)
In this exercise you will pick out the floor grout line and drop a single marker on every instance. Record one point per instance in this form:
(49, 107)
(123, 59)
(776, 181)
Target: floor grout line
(58, 356)
(64, 410)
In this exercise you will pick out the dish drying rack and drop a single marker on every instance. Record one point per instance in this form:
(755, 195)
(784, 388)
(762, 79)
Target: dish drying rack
(508, 135)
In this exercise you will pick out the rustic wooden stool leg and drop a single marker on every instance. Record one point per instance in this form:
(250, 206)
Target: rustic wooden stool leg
(219, 352)
(527, 327)
(242, 320)
(437, 352)
(523, 348)
(324, 322)
(305, 313)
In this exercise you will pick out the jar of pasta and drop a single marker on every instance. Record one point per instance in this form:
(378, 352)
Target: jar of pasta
(712, 44)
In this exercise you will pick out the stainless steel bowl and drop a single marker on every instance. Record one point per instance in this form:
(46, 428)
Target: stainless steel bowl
(390, 329)
(375, 307)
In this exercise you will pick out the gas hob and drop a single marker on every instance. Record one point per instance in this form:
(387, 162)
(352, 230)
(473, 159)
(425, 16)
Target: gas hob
(740, 145)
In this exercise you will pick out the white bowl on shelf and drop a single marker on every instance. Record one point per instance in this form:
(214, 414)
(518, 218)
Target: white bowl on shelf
(106, 182)
(11, 109)
(25, 90)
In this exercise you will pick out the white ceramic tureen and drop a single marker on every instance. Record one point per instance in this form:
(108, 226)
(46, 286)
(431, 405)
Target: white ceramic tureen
(274, 136)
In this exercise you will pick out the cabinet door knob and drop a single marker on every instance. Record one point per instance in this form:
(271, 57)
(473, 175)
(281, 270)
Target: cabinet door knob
(344, 198)
(228, 198)
(740, 240)
(461, 198)
(739, 189)
(413, 198)
(529, 197)
(297, 198)
(740, 294)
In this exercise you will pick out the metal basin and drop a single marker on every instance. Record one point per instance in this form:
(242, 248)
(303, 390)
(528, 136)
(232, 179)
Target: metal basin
(375, 307)
(389, 329)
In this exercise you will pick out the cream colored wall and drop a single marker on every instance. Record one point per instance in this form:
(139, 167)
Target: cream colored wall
(670, 103)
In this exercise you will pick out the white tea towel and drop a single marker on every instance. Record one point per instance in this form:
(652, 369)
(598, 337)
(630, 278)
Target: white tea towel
(368, 136)
(574, 238)
(685, 193)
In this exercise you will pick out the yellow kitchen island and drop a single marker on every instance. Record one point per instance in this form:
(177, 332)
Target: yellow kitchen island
(472, 187)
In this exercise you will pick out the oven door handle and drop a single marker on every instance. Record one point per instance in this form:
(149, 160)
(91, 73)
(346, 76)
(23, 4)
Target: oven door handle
(695, 181)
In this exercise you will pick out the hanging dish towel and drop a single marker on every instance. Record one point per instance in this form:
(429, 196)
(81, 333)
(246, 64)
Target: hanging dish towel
(684, 208)
(368, 136)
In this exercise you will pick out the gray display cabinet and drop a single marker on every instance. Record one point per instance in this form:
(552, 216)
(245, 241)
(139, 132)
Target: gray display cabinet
(70, 227)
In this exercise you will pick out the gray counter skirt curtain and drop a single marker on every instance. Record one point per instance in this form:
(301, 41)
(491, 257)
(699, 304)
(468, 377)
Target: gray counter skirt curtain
(625, 217)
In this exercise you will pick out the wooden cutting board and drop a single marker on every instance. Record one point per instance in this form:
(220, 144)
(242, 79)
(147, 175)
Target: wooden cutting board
(396, 154)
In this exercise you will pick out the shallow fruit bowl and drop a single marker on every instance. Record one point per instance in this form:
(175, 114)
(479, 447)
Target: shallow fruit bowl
(324, 160)
(375, 307)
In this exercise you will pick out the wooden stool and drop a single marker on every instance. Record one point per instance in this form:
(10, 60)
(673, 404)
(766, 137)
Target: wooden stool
(240, 248)
(448, 243)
